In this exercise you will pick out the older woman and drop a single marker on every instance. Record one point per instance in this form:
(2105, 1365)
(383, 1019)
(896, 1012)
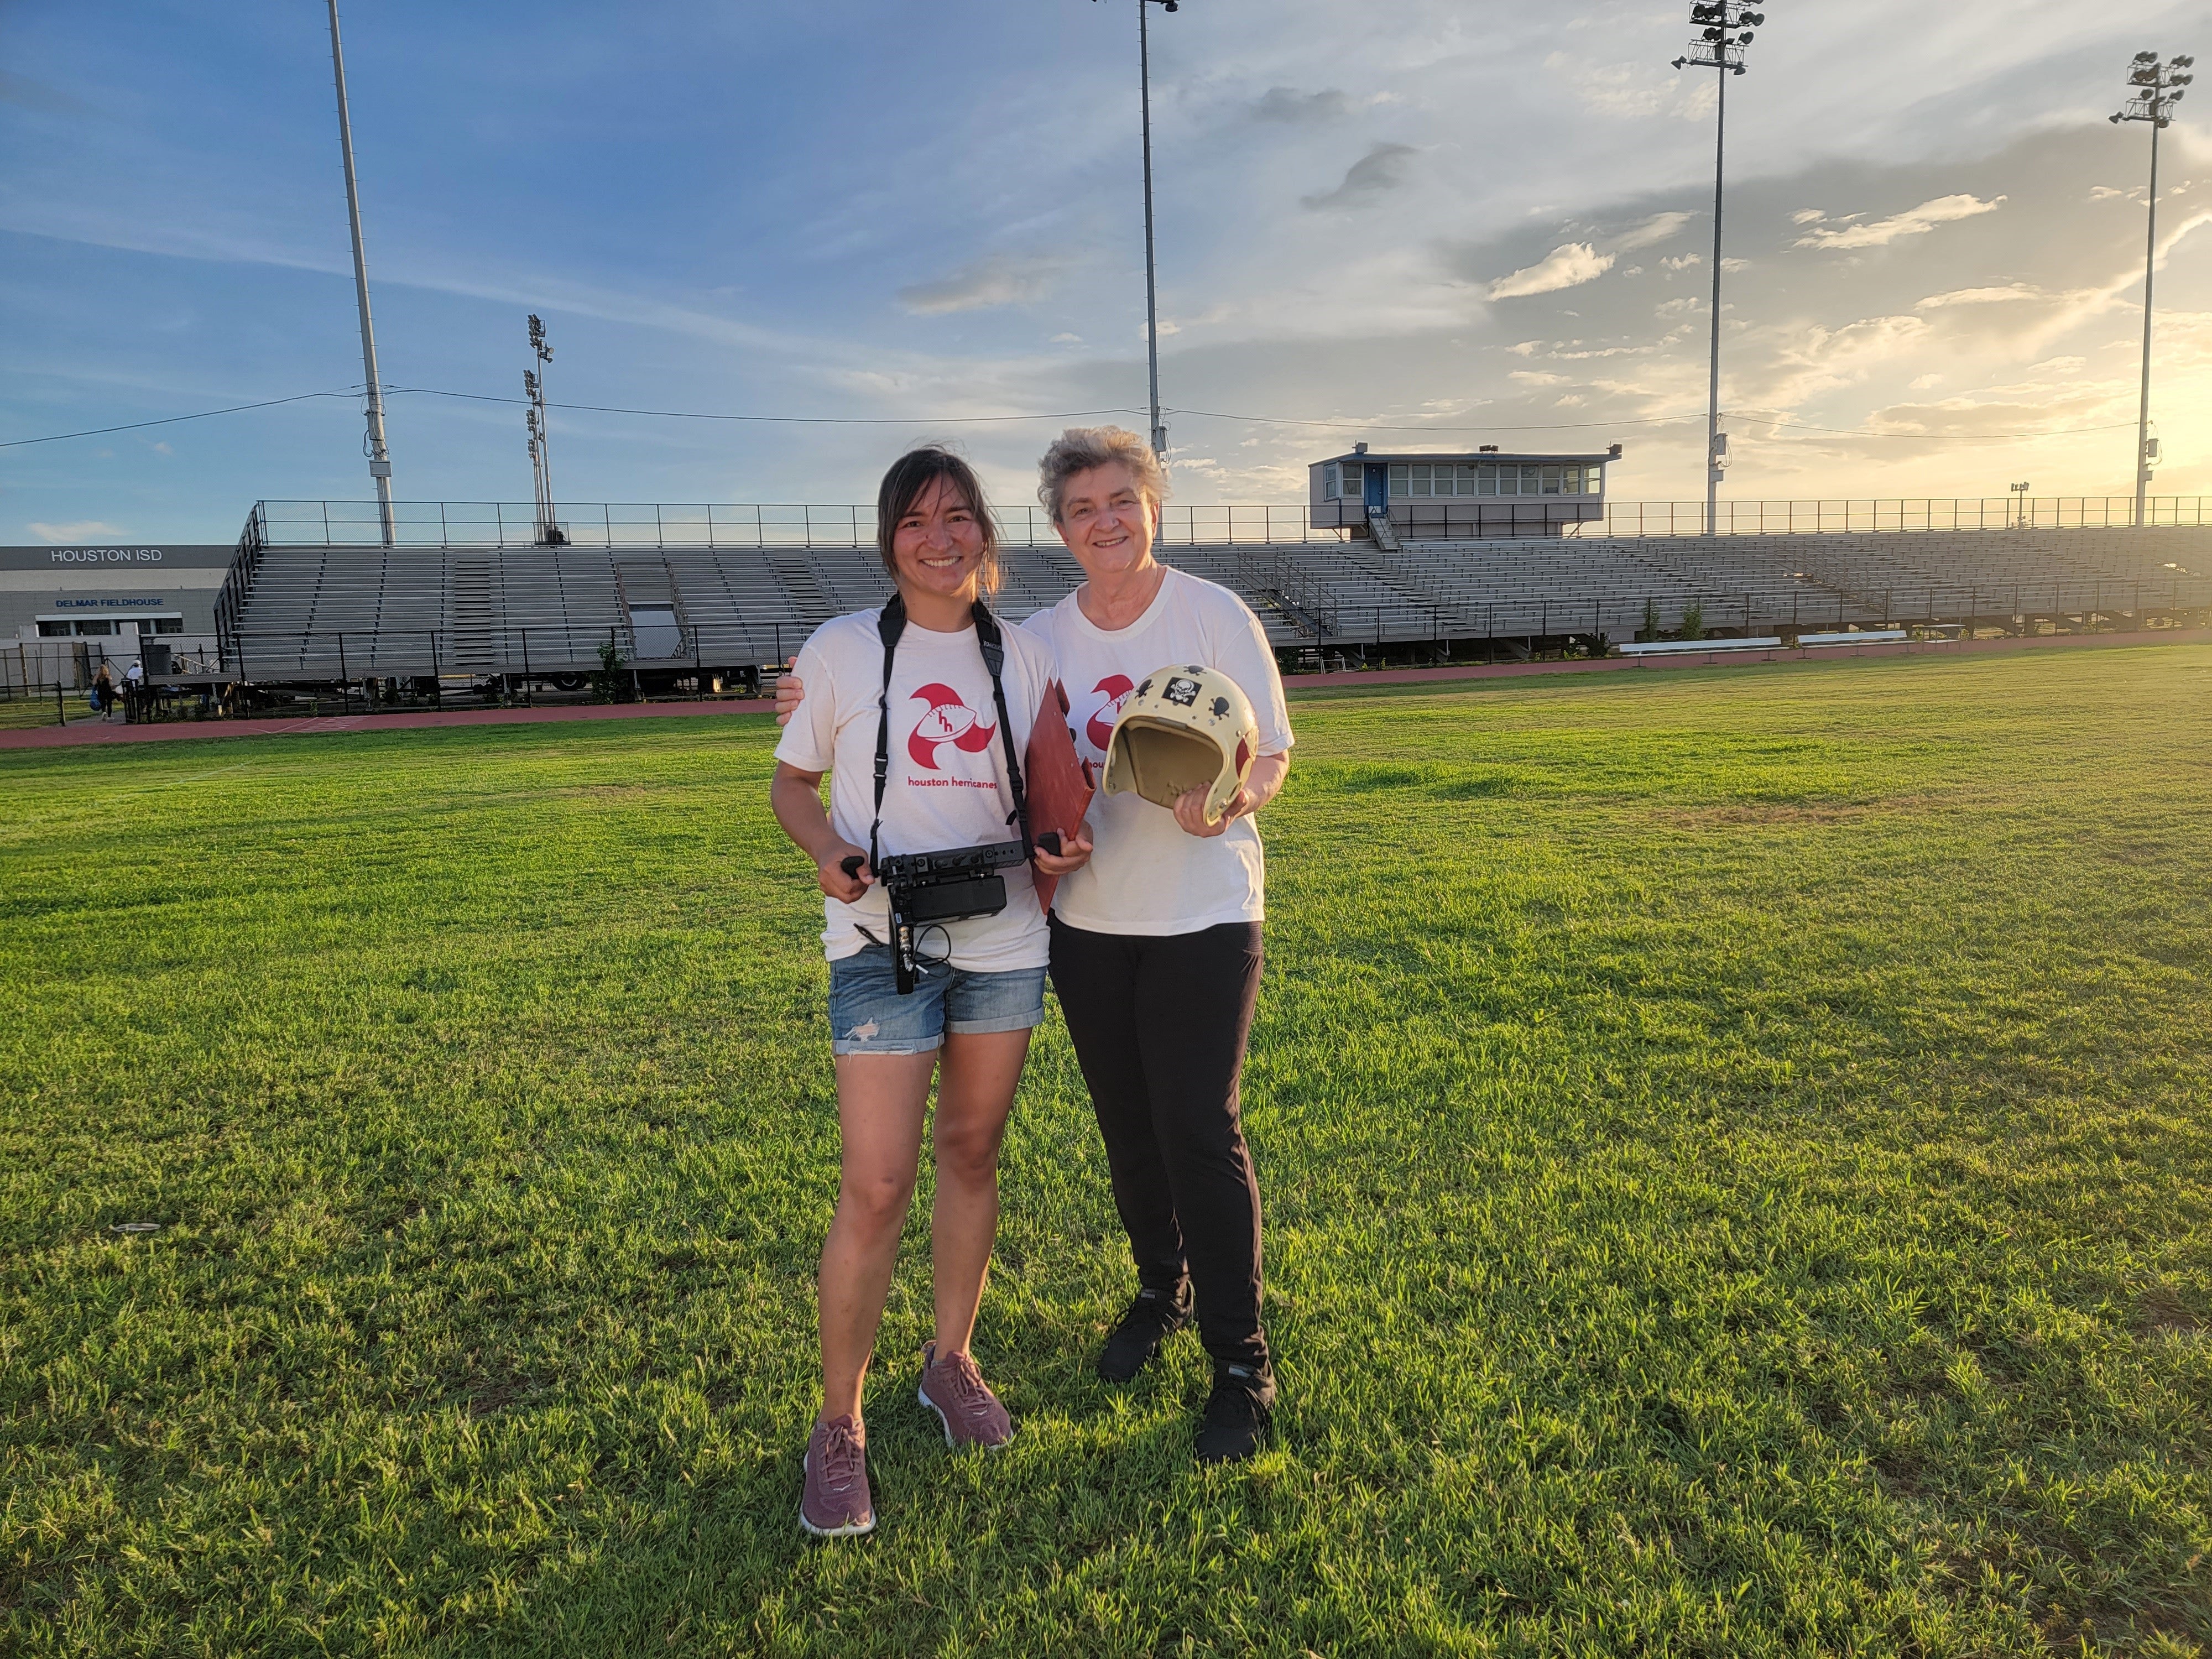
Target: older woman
(1156, 942)
(1156, 947)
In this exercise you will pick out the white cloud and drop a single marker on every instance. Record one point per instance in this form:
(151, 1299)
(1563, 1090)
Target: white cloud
(1657, 228)
(1981, 296)
(1807, 217)
(999, 279)
(1913, 222)
(1624, 91)
(1567, 266)
(84, 530)
(1683, 262)
(1535, 377)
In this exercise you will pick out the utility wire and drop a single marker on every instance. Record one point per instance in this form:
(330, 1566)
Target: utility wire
(1379, 426)
(771, 420)
(1757, 419)
(171, 420)
(1751, 415)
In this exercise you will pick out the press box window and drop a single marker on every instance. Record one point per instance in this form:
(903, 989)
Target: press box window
(1402, 479)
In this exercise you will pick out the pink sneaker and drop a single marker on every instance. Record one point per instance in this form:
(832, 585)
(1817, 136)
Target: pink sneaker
(837, 1504)
(964, 1402)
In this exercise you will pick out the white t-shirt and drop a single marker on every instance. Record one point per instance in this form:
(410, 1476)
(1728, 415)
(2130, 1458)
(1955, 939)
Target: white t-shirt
(1146, 876)
(947, 786)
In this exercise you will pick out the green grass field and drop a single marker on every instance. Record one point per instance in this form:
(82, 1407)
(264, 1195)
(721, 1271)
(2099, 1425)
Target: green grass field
(1738, 1152)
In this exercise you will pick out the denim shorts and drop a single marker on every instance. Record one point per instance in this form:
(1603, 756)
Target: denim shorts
(867, 1015)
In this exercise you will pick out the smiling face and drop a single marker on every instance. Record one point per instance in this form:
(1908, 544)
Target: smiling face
(1106, 521)
(937, 546)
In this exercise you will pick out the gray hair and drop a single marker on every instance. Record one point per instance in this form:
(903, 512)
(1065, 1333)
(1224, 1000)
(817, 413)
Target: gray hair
(1081, 448)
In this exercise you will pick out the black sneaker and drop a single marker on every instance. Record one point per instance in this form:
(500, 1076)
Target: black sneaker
(1153, 1318)
(1235, 1414)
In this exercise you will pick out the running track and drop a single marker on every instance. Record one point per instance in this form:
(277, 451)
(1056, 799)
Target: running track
(90, 729)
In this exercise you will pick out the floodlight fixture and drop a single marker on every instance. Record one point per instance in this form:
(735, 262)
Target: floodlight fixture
(1725, 30)
(2156, 87)
(538, 424)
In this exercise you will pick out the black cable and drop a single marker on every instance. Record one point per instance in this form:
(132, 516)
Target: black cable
(171, 420)
(773, 420)
(1757, 419)
(1377, 426)
(1080, 413)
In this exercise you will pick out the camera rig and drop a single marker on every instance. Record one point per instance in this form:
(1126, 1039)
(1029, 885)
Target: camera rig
(929, 889)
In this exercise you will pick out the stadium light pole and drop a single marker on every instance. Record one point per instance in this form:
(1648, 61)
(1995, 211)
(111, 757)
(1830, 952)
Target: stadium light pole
(379, 458)
(1151, 279)
(1724, 30)
(2157, 87)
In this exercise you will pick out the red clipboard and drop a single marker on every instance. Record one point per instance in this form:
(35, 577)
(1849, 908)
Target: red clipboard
(1060, 784)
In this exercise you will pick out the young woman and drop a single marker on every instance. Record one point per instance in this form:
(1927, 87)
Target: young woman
(929, 722)
(1156, 944)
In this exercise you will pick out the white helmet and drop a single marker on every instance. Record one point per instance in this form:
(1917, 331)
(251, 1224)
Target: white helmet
(1183, 728)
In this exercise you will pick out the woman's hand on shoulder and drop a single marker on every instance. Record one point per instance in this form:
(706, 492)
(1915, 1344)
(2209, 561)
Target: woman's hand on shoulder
(844, 885)
(1190, 811)
(790, 692)
(1074, 854)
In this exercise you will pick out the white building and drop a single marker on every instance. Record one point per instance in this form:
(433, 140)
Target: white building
(1460, 496)
(65, 611)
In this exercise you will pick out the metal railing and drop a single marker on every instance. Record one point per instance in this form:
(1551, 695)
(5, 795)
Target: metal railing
(545, 651)
(1792, 518)
(1324, 618)
(662, 524)
(650, 524)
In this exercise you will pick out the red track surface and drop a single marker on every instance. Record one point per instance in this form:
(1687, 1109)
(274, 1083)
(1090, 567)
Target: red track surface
(91, 730)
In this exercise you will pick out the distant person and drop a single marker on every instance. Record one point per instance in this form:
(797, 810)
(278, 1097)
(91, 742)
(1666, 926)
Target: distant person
(916, 729)
(1156, 943)
(103, 692)
(134, 690)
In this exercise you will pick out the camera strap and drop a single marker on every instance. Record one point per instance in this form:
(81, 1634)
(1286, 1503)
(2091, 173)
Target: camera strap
(890, 624)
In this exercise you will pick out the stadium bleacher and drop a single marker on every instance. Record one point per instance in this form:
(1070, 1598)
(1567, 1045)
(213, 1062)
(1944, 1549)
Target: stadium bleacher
(325, 613)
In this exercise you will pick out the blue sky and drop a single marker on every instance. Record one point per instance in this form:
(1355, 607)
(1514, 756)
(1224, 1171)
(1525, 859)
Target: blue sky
(1418, 215)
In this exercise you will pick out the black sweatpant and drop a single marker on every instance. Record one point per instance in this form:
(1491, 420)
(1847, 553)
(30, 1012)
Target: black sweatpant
(1159, 1025)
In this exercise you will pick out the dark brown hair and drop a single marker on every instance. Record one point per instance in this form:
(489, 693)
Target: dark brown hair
(909, 477)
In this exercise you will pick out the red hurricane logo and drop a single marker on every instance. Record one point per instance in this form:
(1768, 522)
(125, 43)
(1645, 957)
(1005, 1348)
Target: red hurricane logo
(948, 720)
(1115, 688)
